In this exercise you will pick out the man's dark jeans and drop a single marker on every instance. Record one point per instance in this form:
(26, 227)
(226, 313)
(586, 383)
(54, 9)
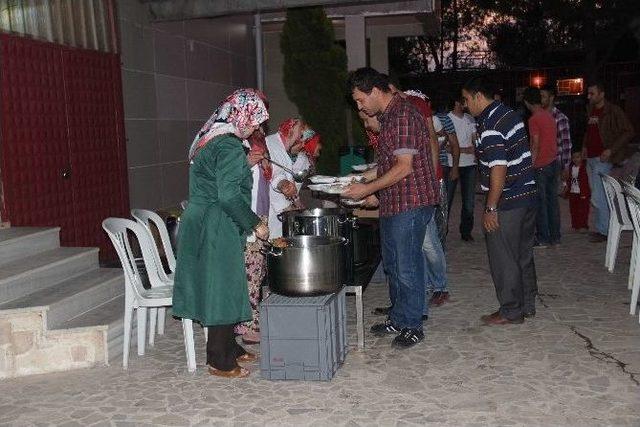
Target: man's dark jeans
(510, 251)
(404, 262)
(468, 191)
(548, 215)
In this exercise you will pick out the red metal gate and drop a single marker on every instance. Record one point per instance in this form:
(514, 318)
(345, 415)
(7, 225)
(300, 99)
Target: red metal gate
(63, 149)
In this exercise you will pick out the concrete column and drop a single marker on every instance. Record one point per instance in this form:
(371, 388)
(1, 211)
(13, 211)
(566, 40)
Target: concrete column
(356, 43)
(257, 28)
(379, 51)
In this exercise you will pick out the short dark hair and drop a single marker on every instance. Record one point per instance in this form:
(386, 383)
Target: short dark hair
(532, 95)
(549, 88)
(597, 83)
(480, 84)
(365, 79)
(452, 102)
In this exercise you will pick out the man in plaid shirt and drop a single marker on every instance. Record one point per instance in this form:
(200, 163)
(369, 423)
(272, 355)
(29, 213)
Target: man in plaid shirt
(407, 188)
(548, 94)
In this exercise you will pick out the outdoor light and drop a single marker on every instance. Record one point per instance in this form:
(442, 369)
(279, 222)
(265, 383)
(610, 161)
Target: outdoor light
(537, 81)
(574, 86)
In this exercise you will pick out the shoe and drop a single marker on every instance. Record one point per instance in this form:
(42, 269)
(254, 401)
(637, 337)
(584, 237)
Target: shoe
(435, 296)
(597, 238)
(408, 338)
(382, 311)
(528, 314)
(237, 372)
(386, 328)
(425, 317)
(468, 238)
(247, 358)
(441, 299)
(540, 245)
(497, 319)
(251, 338)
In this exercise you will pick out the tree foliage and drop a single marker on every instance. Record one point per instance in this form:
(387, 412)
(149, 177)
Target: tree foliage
(315, 70)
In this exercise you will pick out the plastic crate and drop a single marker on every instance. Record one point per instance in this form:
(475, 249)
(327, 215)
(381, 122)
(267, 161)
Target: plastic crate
(302, 338)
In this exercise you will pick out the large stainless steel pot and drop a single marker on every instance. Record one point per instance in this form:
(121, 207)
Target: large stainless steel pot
(310, 265)
(314, 222)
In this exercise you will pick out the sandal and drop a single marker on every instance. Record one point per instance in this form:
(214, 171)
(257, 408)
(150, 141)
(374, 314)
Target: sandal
(247, 358)
(237, 372)
(251, 338)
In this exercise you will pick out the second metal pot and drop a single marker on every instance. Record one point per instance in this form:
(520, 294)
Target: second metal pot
(310, 265)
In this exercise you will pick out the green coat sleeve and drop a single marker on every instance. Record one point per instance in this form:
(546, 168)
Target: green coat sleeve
(230, 172)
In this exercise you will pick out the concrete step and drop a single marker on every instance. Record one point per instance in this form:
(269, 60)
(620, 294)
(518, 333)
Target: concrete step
(111, 314)
(23, 242)
(75, 296)
(44, 270)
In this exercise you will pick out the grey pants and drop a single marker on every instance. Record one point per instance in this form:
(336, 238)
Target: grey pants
(510, 251)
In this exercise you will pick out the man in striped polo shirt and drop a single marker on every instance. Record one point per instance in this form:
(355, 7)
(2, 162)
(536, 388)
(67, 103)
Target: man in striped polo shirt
(507, 177)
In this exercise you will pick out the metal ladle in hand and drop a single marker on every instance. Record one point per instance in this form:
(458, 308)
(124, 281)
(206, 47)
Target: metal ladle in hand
(299, 176)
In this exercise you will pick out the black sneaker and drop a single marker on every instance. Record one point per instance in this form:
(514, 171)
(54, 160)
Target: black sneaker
(468, 238)
(385, 328)
(529, 313)
(408, 338)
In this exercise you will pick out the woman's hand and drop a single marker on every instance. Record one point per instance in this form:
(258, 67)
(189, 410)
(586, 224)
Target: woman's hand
(254, 157)
(288, 188)
(262, 231)
(371, 202)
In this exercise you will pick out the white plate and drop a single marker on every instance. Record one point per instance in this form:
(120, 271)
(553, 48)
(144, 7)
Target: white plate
(317, 187)
(351, 202)
(362, 168)
(322, 179)
(335, 189)
(350, 179)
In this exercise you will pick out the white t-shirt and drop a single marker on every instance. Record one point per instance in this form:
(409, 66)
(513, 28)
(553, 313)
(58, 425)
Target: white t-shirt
(465, 128)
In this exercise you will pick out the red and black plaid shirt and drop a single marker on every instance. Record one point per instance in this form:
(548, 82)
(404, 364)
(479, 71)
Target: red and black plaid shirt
(403, 130)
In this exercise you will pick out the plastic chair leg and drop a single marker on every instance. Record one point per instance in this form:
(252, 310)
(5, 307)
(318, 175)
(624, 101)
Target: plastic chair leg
(162, 313)
(206, 334)
(632, 261)
(153, 316)
(189, 347)
(128, 317)
(360, 317)
(613, 247)
(634, 291)
(142, 329)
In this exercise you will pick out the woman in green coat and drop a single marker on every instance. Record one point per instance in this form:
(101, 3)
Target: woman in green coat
(210, 280)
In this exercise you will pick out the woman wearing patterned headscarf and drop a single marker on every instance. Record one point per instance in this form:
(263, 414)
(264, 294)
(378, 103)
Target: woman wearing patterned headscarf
(284, 147)
(210, 281)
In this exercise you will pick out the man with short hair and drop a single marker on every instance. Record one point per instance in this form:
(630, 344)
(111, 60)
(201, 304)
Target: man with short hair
(465, 128)
(605, 144)
(563, 131)
(408, 193)
(506, 176)
(544, 153)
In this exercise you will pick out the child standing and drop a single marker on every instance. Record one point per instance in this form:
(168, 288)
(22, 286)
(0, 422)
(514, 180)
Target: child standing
(578, 192)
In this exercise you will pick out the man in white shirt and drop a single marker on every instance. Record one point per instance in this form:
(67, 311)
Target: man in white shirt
(465, 127)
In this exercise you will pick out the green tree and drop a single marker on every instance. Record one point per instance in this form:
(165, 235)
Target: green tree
(315, 70)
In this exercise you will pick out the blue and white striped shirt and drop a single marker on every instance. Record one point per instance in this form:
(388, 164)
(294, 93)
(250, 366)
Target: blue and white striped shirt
(503, 141)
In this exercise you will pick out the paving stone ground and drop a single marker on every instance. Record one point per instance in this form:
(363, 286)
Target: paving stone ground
(577, 363)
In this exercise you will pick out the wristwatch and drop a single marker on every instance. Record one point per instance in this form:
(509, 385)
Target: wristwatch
(490, 209)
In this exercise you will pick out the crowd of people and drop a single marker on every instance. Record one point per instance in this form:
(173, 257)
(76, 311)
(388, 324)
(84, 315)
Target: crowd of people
(241, 179)
(520, 160)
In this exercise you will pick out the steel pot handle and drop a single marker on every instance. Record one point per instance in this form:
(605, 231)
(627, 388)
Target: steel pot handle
(354, 223)
(345, 241)
(343, 221)
(272, 251)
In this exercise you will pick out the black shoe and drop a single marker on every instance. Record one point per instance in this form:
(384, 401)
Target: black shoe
(385, 328)
(530, 313)
(425, 317)
(468, 238)
(408, 338)
(382, 311)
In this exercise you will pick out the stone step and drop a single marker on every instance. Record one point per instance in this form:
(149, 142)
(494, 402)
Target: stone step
(75, 296)
(110, 314)
(23, 242)
(43, 270)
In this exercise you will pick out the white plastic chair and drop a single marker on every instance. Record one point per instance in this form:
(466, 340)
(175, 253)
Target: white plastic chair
(629, 193)
(619, 219)
(136, 296)
(633, 198)
(146, 218)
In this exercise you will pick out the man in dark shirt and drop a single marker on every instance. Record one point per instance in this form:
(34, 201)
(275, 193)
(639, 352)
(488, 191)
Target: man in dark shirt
(605, 144)
(507, 177)
(408, 192)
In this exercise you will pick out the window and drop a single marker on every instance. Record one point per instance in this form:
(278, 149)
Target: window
(87, 24)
